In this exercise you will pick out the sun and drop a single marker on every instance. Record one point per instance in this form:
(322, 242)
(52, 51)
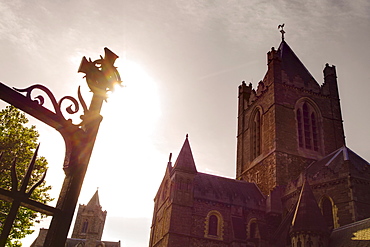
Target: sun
(126, 142)
(137, 95)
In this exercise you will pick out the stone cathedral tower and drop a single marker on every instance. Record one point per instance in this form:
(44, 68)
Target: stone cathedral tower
(90, 220)
(88, 228)
(288, 122)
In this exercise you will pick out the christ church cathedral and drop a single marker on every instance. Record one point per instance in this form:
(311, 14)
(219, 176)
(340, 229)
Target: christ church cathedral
(297, 183)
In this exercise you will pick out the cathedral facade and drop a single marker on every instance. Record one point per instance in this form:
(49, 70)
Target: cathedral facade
(297, 184)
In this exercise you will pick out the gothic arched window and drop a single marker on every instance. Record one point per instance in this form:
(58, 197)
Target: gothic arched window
(85, 224)
(214, 225)
(299, 243)
(327, 211)
(307, 127)
(253, 229)
(256, 134)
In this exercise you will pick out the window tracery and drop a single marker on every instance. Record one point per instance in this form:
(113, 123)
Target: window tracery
(85, 225)
(308, 126)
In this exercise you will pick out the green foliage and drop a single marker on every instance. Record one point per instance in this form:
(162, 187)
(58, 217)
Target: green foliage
(18, 141)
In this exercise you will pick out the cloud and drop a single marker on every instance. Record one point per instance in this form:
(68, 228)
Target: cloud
(14, 28)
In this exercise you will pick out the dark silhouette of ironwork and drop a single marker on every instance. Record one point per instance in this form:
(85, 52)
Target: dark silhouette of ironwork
(101, 77)
(21, 197)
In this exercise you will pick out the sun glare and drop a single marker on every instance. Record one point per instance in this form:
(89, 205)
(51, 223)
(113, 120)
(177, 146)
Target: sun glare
(125, 143)
(137, 97)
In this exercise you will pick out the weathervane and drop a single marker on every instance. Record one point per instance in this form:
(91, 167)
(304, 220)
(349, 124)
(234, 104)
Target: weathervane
(281, 27)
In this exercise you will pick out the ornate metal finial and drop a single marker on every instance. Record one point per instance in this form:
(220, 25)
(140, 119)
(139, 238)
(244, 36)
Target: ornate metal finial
(281, 27)
(187, 135)
(101, 75)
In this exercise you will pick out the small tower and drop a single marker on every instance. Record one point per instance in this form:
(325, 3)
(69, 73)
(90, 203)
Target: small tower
(172, 215)
(90, 220)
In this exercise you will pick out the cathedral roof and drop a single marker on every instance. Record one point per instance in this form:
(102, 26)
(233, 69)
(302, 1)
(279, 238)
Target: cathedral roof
(339, 161)
(226, 190)
(307, 216)
(185, 161)
(354, 234)
(94, 201)
(291, 64)
(343, 162)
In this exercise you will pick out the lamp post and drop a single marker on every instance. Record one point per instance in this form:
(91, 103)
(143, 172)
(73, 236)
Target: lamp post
(101, 77)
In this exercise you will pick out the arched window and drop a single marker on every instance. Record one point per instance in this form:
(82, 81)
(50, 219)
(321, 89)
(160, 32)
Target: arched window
(299, 122)
(327, 211)
(299, 243)
(85, 225)
(256, 134)
(214, 225)
(314, 132)
(307, 126)
(253, 229)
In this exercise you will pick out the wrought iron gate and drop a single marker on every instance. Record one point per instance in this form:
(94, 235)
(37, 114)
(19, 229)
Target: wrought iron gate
(101, 77)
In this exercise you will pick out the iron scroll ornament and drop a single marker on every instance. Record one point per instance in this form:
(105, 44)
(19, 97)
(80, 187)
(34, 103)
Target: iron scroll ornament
(39, 99)
(101, 76)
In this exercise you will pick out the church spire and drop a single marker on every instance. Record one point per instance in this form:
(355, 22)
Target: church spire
(308, 216)
(94, 201)
(185, 161)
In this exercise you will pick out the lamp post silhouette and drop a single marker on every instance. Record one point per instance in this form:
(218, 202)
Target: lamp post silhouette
(101, 77)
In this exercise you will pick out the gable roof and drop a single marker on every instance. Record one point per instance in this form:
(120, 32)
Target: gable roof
(341, 161)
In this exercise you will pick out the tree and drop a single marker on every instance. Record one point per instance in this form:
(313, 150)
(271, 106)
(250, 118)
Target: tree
(19, 141)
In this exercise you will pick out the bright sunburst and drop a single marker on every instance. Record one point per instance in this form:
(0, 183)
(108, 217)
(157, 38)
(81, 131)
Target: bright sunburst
(138, 96)
(125, 146)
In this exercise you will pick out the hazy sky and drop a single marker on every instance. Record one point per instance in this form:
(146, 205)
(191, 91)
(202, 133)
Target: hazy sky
(182, 62)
